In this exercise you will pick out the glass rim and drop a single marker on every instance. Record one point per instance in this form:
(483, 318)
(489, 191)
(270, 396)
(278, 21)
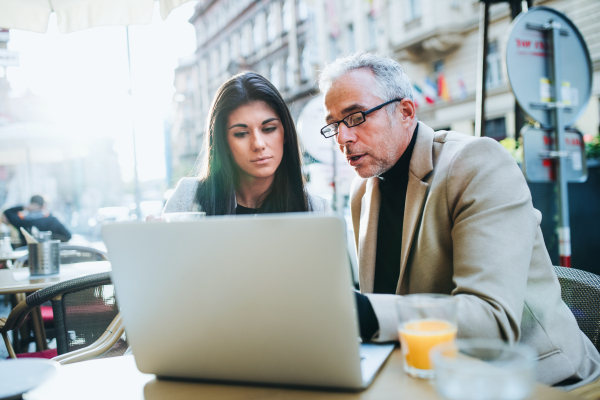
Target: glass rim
(184, 213)
(525, 360)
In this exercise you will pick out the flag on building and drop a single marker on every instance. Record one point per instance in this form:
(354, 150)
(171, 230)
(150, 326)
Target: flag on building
(443, 91)
(418, 96)
(332, 15)
(462, 87)
(375, 7)
(430, 91)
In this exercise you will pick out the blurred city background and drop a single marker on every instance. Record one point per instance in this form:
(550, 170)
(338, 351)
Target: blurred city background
(69, 111)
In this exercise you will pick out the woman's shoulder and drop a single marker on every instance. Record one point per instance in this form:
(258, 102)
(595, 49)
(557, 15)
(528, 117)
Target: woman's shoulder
(183, 197)
(316, 203)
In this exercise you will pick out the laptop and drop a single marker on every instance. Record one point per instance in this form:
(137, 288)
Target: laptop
(256, 299)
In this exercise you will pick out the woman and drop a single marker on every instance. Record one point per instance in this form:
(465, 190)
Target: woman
(253, 161)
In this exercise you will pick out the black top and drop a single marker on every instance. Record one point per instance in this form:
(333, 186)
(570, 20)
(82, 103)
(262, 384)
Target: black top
(392, 186)
(241, 210)
(46, 223)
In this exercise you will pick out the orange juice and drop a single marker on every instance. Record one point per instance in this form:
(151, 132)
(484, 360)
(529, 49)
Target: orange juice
(418, 337)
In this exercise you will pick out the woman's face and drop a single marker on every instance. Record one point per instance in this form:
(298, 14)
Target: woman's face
(255, 137)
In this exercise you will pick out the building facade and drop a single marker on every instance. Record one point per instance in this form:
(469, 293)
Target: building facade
(289, 41)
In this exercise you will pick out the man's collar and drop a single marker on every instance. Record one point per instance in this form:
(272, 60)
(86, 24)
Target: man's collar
(399, 169)
(421, 162)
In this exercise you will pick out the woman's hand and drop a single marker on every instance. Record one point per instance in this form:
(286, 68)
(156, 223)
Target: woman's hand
(151, 218)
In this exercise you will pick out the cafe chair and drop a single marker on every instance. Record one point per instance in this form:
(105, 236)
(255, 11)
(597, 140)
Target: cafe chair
(86, 313)
(580, 290)
(69, 254)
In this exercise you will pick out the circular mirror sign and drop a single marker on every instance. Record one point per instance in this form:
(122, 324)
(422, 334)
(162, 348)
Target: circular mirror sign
(529, 62)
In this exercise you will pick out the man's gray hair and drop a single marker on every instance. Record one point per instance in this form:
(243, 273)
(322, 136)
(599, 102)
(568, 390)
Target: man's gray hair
(391, 81)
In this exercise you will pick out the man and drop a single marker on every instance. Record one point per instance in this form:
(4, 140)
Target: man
(35, 215)
(443, 212)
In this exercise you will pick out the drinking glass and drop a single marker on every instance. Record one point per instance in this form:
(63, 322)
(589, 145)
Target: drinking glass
(183, 216)
(483, 369)
(425, 320)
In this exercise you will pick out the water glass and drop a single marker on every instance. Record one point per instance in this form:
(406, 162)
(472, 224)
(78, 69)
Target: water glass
(183, 216)
(483, 369)
(425, 320)
(6, 246)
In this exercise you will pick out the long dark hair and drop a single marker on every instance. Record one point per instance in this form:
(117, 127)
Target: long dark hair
(219, 176)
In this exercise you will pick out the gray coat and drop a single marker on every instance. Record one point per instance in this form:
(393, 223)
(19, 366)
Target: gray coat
(183, 199)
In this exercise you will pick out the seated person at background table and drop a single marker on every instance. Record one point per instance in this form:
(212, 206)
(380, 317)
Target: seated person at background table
(443, 212)
(252, 157)
(35, 214)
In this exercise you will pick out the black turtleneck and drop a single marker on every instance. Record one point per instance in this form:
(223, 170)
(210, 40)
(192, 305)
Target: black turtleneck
(392, 186)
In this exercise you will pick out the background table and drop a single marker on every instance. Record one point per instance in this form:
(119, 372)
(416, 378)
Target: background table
(19, 281)
(12, 256)
(118, 378)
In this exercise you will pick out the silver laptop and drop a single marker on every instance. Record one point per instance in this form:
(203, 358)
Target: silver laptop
(260, 299)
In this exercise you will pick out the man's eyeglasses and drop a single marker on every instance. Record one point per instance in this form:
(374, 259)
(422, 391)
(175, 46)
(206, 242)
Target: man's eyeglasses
(351, 120)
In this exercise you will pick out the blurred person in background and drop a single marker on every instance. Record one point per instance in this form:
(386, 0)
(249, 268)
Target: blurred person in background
(35, 214)
(253, 160)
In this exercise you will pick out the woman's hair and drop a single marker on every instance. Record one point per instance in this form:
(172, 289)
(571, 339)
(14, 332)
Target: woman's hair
(219, 176)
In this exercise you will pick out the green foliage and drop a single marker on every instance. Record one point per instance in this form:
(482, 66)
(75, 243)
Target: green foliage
(592, 148)
(515, 149)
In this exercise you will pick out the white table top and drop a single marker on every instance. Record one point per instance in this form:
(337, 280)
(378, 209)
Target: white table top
(118, 378)
(13, 255)
(19, 281)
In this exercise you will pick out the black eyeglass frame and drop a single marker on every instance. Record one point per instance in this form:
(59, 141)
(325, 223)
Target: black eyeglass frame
(364, 114)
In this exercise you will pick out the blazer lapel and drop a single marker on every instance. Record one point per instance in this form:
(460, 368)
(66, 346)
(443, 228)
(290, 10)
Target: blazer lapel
(367, 239)
(421, 164)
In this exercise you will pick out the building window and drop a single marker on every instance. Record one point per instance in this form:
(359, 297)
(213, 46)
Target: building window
(333, 48)
(302, 10)
(350, 37)
(256, 36)
(214, 62)
(246, 40)
(289, 72)
(274, 75)
(189, 86)
(234, 46)
(271, 27)
(372, 27)
(496, 128)
(200, 32)
(413, 9)
(494, 66)
(306, 67)
(287, 15)
(224, 55)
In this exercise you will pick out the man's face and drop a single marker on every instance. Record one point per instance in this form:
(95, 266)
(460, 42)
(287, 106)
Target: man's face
(374, 146)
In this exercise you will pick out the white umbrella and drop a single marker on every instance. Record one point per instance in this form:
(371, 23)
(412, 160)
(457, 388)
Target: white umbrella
(73, 15)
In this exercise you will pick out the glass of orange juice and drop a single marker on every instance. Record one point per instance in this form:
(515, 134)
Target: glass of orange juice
(425, 320)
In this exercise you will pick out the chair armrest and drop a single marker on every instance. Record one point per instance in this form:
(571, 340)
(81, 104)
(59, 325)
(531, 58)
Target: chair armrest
(104, 343)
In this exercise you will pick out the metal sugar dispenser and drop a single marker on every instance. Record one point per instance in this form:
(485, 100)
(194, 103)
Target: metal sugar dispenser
(44, 256)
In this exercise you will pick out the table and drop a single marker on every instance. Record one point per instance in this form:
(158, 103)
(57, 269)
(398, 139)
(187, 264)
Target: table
(12, 256)
(19, 281)
(118, 378)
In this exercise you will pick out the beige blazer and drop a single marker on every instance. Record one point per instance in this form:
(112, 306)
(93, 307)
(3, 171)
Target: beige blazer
(470, 230)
